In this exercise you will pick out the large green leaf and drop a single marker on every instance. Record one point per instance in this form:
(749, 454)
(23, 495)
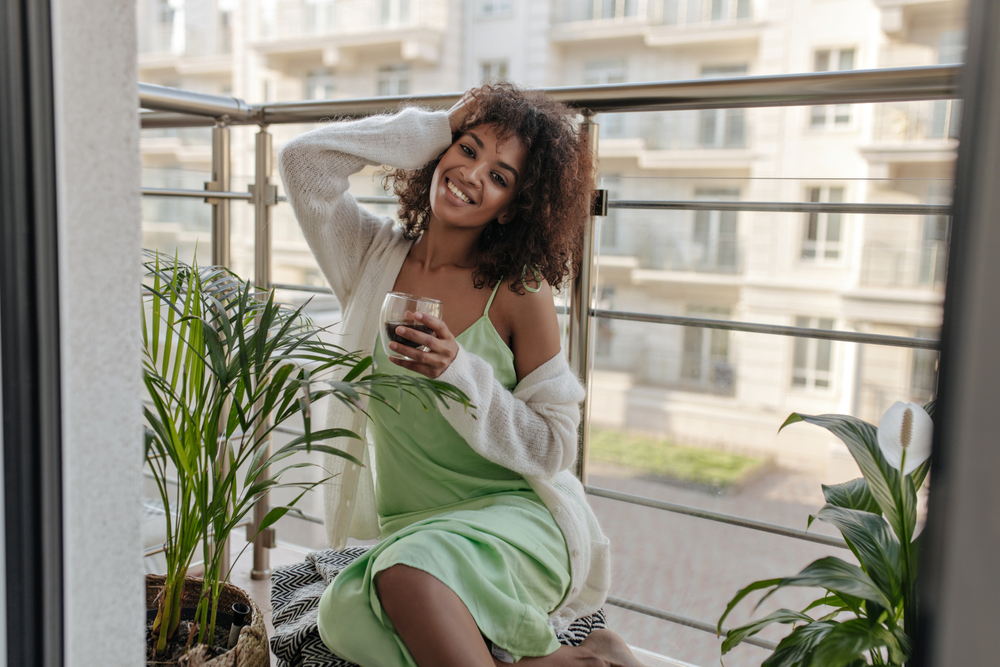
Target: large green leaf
(874, 543)
(834, 574)
(794, 650)
(849, 641)
(742, 593)
(853, 494)
(736, 635)
(883, 480)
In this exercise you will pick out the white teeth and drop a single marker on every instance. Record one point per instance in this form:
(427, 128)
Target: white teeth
(458, 193)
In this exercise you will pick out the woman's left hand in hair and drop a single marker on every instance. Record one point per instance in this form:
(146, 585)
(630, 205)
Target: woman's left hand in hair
(441, 348)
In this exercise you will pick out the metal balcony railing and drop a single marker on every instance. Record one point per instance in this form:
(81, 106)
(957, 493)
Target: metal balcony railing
(175, 108)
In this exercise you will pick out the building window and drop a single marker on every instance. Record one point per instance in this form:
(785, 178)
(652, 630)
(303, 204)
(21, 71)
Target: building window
(722, 128)
(822, 238)
(602, 72)
(394, 80)
(812, 361)
(492, 9)
(320, 84)
(493, 70)
(728, 10)
(937, 230)
(592, 10)
(924, 370)
(705, 361)
(831, 115)
(603, 325)
(394, 12)
(609, 222)
(713, 237)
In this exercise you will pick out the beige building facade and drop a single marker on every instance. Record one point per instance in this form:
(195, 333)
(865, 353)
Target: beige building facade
(852, 272)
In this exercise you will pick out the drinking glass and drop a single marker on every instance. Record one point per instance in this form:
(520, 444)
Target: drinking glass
(398, 310)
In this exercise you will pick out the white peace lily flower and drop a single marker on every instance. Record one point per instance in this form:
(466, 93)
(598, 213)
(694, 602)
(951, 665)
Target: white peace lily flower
(905, 428)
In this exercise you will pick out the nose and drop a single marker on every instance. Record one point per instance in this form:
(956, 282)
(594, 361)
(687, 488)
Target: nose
(477, 172)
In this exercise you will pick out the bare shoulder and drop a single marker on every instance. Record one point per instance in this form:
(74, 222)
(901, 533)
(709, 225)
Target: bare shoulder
(529, 319)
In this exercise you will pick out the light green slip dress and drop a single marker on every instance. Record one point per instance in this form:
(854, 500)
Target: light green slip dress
(444, 509)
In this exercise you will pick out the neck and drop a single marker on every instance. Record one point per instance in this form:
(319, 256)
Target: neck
(438, 248)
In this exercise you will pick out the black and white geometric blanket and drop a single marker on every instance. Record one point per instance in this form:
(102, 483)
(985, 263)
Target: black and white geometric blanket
(295, 593)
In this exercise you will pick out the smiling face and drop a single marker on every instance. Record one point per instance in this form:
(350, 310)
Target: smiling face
(477, 178)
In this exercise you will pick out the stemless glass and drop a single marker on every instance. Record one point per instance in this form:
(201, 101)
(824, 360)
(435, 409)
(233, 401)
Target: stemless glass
(398, 310)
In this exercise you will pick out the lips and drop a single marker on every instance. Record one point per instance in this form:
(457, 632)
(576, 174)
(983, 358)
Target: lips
(457, 192)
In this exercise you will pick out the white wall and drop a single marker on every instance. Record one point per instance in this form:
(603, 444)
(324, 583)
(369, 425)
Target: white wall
(97, 162)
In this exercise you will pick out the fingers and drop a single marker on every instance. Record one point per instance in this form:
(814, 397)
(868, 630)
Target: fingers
(458, 113)
(439, 347)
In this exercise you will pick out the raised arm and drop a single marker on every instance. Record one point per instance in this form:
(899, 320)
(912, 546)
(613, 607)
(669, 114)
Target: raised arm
(315, 167)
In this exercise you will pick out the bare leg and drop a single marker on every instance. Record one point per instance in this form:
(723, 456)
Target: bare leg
(439, 631)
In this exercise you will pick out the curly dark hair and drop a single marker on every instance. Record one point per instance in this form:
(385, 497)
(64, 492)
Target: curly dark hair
(550, 209)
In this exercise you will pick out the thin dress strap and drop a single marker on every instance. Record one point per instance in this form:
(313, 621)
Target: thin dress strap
(490, 302)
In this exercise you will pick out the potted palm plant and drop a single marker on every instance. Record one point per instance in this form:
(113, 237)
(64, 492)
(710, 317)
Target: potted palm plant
(868, 613)
(224, 364)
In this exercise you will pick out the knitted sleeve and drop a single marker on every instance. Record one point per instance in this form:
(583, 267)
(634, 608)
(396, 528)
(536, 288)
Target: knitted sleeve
(315, 167)
(532, 430)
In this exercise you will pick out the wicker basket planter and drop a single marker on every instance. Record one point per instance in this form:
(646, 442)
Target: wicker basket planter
(251, 649)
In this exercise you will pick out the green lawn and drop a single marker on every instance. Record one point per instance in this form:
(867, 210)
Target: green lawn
(661, 458)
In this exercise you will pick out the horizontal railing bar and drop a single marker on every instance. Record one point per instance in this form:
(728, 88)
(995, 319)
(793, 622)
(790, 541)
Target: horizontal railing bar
(858, 86)
(303, 288)
(163, 98)
(717, 516)
(200, 194)
(772, 329)
(768, 207)
(782, 207)
(684, 620)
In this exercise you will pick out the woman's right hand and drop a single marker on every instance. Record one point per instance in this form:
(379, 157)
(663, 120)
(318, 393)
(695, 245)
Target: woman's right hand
(458, 113)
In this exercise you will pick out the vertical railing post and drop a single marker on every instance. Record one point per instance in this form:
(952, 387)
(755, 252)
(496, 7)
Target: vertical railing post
(579, 310)
(264, 196)
(221, 181)
(221, 256)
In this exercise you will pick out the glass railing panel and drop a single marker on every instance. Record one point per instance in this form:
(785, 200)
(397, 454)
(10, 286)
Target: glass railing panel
(922, 121)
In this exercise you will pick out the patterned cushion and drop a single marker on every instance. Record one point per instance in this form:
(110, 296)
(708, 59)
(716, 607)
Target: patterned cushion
(295, 593)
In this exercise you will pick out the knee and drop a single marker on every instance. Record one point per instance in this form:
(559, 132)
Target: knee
(396, 586)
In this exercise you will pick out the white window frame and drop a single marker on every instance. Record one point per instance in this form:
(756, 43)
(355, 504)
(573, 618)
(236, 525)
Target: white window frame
(603, 72)
(393, 80)
(819, 250)
(320, 84)
(808, 353)
(395, 12)
(828, 116)
(497, 69)
(721, 121)
(709, 261)
(709, 338)
(495, 9)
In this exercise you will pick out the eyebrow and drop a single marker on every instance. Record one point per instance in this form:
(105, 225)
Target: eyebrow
(479, 142)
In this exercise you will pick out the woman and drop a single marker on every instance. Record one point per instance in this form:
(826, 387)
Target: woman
(486, 540)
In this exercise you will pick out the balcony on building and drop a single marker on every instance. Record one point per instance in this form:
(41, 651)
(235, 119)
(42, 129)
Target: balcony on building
(657, 23)
(174, 44)
(695, 140)
(924, 131)
(340, 34)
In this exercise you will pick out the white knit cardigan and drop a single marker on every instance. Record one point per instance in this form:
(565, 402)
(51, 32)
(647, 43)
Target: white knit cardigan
(532, 430)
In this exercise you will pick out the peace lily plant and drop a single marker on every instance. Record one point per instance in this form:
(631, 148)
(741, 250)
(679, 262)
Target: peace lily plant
(224, 365)
(869, 612)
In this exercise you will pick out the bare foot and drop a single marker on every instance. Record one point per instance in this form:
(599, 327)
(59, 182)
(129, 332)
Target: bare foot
(611, 648)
